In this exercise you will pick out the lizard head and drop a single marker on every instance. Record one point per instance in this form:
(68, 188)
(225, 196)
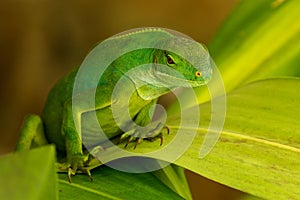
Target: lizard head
(191, 64)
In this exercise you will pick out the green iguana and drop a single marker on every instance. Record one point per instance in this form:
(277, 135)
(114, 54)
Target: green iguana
(166, 70)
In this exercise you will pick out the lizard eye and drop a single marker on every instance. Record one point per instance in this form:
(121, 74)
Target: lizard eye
(198, 74)
(170, 60)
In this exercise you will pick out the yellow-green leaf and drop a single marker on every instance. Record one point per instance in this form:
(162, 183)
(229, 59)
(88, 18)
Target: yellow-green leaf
(259, 39)
(259, 148)
(29, 175)
(111, 184)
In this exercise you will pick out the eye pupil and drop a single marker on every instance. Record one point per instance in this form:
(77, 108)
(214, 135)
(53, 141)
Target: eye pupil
(198, 74)
(170, 60)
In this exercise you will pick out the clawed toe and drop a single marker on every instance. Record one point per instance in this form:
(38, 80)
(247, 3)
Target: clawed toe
(137, 141)
(70, 173)
(89, 174)
(161, 138)
(128, 141)
(167, 128)
(73, 172)
(137, 136)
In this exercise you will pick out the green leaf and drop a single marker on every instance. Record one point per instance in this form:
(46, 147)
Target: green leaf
(24, 176)
(112, 184)
(173, 176)
(259, 148)
(258, 40)
(249, 197)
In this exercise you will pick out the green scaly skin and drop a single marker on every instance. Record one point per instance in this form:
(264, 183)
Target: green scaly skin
(57, 123)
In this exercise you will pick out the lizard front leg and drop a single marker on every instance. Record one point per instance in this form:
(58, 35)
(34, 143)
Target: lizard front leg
(145, 129)
(76, 159)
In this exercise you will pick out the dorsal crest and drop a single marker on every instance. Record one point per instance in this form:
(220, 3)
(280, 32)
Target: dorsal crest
(137, 31)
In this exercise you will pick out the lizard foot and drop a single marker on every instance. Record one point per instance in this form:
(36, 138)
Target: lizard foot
(78, 164)
(138, 135)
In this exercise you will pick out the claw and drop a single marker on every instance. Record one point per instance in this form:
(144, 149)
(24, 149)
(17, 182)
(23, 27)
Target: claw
(134, 134)
(126, 144)
(168, 130)
(69, 174)
(89, 174)
(123, 136)
(119, 141)
(161, 140)
(128, 141)
(138, 141)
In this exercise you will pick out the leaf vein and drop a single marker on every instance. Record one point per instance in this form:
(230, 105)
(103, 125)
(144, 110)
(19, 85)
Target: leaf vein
(90, 190)
(258, 140)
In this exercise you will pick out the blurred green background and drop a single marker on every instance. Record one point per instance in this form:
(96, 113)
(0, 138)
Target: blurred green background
(42, 40)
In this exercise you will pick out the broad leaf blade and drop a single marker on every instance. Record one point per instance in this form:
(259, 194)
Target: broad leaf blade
(259, 150)
(258, 40)
(24, 176)
(249, 197)
(173, 176)
(112, 184)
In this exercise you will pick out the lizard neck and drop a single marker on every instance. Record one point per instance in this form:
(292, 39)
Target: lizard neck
(133, 59)
(137, 66)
